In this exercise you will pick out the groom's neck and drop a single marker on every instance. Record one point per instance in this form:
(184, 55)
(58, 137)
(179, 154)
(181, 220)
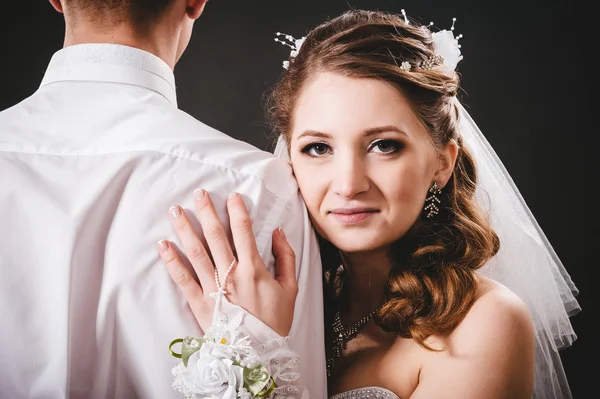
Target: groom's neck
(156, 42)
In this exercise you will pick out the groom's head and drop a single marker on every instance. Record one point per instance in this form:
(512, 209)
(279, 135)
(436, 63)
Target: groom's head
(166, 21)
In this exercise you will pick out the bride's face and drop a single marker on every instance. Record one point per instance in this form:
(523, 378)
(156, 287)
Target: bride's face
(363, 160)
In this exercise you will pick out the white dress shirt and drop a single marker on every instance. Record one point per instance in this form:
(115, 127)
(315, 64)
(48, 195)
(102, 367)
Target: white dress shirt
(89, 166)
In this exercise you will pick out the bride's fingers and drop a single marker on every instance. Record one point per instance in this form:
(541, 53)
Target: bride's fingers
(193, 247)
(214, 232)
(241, 228)
(285, 262)
(182, 277)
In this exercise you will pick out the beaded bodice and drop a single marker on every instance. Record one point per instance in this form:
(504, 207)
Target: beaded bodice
(364, 393)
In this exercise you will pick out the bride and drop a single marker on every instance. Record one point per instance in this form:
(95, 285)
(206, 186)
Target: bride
(438, 281)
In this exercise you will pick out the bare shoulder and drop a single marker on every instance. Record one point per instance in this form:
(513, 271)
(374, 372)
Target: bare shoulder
(497, 318)
(496, 302)
(489, 354)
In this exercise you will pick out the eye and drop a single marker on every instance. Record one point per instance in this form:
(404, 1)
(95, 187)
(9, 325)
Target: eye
(386, 146)
(316, 149)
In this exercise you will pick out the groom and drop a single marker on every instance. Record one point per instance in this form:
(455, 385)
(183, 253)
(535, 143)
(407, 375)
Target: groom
(90, 165)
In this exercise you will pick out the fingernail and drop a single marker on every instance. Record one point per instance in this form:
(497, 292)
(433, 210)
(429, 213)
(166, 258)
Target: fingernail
(281, 232)
(175, 211)
(163, 245)
(233, 195)
(198, 194)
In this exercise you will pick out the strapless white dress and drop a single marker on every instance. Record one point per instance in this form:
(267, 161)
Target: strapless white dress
(364, 393)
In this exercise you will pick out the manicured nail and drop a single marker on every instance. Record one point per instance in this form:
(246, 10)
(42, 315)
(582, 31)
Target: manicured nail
(175, 211)
(163, 245)
(233, 195)
(281, 232)
(199, 193)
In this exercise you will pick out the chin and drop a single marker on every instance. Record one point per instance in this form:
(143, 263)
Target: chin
(357, 243)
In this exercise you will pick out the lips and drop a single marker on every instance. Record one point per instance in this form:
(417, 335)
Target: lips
(353, 215)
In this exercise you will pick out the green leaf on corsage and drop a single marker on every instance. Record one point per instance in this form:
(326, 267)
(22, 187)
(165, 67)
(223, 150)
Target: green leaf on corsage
(189, 346)
(258, 381)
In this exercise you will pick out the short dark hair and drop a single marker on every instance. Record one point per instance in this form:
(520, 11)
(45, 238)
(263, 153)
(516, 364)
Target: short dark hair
(141, 14)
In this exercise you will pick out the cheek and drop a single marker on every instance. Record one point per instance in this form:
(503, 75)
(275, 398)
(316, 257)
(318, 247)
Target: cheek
(405, 188)
(313, 184)
(406, 185)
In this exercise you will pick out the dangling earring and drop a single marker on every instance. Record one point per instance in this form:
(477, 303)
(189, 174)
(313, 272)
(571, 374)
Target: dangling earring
(432, 202)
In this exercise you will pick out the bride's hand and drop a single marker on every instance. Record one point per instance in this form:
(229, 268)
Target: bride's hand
(249, 285)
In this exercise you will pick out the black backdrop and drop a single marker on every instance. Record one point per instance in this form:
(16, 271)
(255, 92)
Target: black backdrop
(527, 81)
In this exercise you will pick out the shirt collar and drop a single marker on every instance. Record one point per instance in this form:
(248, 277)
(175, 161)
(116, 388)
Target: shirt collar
(114, 63)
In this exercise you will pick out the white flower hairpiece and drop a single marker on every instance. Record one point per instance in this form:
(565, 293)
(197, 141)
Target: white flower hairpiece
(293, 43)
(447, 49)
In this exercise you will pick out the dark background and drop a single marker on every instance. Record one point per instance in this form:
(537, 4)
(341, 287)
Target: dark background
(527, 80)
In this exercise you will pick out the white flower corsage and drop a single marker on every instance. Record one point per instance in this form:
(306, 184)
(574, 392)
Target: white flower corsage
(220, 365)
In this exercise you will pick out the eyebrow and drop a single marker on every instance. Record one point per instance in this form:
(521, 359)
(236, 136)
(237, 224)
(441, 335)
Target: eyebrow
(368, 132)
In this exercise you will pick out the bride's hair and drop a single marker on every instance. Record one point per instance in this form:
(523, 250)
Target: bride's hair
(432, 283)
(142, 14)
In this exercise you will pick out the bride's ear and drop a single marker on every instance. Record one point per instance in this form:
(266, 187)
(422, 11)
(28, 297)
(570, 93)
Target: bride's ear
(57, 5)
(446, 162)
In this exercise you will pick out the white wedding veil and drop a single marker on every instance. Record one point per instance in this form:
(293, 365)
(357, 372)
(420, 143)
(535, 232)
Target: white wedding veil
(526, 262)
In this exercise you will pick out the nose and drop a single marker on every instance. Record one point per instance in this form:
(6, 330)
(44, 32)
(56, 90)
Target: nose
(350, 177)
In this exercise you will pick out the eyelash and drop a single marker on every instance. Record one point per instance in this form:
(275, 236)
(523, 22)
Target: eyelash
(397, 146)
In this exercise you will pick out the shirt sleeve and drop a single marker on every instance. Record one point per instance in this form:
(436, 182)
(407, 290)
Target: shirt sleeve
(307, 332)
(273, 350)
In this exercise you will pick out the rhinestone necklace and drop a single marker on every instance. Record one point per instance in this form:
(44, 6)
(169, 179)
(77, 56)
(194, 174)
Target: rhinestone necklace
(343, 335)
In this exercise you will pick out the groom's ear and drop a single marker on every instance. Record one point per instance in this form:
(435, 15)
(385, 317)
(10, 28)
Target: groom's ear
(195, 8)
(57, 6)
